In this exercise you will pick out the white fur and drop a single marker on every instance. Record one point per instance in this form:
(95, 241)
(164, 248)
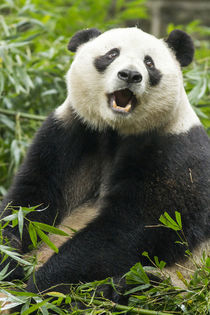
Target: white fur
(164, 107)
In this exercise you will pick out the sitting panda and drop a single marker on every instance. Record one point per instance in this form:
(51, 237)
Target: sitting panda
(124, 147)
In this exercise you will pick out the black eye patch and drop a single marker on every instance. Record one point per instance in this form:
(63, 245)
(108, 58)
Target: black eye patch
(102, 62)
(154, 74)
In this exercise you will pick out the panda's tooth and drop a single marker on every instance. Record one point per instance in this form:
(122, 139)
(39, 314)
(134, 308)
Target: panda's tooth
(128, 108)
(121, 109)
(114, 104)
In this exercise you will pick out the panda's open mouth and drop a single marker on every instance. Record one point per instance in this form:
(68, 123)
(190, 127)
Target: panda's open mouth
(122, 101)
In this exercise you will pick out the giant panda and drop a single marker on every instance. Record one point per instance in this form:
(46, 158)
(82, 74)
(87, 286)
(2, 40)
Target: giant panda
(124, 147)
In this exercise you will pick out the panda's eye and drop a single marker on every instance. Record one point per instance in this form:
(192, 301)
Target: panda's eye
(149, 62)
(102, 62)
(113, 53)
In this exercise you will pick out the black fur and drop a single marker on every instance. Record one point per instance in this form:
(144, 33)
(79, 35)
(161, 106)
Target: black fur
(102, 62)
(82, 37)
(182, 45)
(54, 157)
(148, 174)
(154, 74)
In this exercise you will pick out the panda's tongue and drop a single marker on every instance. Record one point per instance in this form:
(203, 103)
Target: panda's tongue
(121, 100)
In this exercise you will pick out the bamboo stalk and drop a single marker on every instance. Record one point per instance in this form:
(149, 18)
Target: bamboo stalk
(21, 115)
(119, 307)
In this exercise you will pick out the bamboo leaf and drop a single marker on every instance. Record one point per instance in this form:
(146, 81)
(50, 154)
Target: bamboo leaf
(2, 80)
(32, 233)
(35, 307)
(56, 294)
(138, 288)
(20, 222)
(46, 240)
(11, 253)
(7, 122)
(50, 229)
(169, 222)
(169, 218)
(10, 217)
(163, 220)
(156, 261)
(178, 219)
(162, 264)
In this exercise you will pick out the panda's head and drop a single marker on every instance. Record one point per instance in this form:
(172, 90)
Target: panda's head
(127, 79)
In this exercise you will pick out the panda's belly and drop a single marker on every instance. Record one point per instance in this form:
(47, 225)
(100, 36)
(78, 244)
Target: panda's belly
(77, 220)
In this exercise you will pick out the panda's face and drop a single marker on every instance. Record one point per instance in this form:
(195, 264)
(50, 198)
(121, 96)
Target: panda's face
(126, 79)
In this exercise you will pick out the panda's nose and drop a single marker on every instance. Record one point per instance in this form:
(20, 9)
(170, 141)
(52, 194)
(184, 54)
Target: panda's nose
(129, 76)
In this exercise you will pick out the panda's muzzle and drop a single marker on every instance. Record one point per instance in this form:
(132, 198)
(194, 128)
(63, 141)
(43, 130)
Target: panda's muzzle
(122, 101)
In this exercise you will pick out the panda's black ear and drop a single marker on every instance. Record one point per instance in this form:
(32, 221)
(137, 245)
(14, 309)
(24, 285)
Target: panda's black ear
(82, 37)
(182, 45)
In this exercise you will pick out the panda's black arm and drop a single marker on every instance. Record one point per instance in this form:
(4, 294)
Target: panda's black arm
(53, 158)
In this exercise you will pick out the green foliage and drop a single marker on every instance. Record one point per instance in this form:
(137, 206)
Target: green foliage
(35, 229)
(31, 76)
(146, 296)
(194, 300)
(170, 223)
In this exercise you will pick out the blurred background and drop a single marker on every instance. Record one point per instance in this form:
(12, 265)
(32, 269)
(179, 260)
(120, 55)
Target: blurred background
(34, 58)
(179, 12)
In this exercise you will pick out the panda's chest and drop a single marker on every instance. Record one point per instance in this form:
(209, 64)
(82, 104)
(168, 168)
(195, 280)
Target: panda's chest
(148, 166)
